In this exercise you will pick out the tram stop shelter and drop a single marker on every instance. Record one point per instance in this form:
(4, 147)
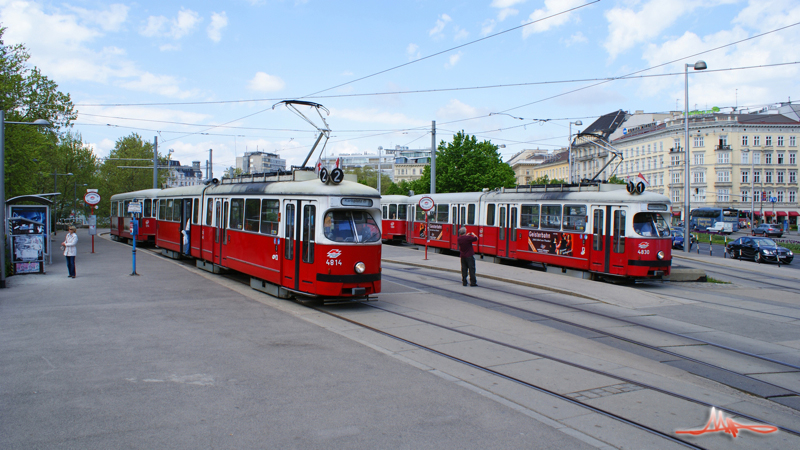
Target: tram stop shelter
(27, 227)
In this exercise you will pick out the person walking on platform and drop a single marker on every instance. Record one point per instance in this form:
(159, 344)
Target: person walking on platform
(70, 250)
(467, 256)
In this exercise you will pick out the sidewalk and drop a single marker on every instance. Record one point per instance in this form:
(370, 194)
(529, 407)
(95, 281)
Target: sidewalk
(182, 359)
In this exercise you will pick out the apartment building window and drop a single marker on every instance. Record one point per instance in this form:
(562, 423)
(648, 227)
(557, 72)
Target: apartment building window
(792, 159)
(780, 196)
(792, 141)
(676, 196)
(699, 195)
(662, 161)
(661, 179)
(723, 140)
(723, 158)
(699, 159)
(676, 160)
(780, 141)
(676, 177)
(756, 194)
(780, 158)
(648, 148)
(723, 195)
(756, 158)
(661, 145)
(746, 158)
(767, 176)
(745, 176)
(724, 176)
(676, 144)
(792, 176)
(767, 158)
(698, 141)
(792, 196)
(756, 140)
(745, 196)
(767, 141)
(756, 176)
(780, 176)
(698, 177)
(744, 141)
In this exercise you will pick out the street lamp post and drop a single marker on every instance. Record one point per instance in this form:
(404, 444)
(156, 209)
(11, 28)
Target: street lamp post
(38, 122)
(75, 202)
(55, 190)
(569, 152)
(699, 65)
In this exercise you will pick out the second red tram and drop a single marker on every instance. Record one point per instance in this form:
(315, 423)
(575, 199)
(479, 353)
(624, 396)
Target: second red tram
(293, 234)
(121, 220)
(599, 229)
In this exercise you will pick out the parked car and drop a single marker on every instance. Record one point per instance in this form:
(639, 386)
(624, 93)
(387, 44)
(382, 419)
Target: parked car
(766, 229)
(760, 249)
(721, 228)
(677, 238)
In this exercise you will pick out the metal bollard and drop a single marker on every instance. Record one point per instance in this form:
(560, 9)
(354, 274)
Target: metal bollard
(725, 243)
(698, 244)
(710, 252)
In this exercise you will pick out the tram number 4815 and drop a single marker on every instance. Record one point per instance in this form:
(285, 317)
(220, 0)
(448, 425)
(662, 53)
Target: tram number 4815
(333, 262)
(644, 252)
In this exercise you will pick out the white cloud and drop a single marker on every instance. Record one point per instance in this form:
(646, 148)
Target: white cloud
(218, 22)
(487, 27)
(577, 38)
(502, 4)
(627, 28)
(264, 82)
(182, 25)
(376, 116)
(440, 24)
(110, 19)
(165, 85)
(461, 34)
(412, 51)
(506, 13)
(169, 47)
(453, 60)
(455, 109)
(552, 7)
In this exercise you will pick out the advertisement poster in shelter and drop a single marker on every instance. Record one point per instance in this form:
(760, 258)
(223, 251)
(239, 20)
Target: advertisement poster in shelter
(553, 243)
(28, 238)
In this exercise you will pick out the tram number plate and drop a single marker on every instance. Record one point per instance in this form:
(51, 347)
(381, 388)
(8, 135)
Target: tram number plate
(644, 252)
(333, 262)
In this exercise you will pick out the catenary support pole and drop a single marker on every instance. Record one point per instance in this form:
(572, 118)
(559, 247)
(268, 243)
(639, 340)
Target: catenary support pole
(433, 157)
(155, 162)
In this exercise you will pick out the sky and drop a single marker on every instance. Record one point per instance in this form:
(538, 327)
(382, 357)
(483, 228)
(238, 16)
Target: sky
(205, 75)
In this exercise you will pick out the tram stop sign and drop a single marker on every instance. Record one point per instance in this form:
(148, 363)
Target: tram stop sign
(91, 198)
(426, 203)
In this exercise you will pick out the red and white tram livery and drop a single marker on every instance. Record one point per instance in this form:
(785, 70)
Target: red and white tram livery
(121, 220)
(293, 234)
(394, 211)
(599, 229)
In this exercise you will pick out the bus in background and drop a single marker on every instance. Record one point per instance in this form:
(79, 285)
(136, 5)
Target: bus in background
(704, 218)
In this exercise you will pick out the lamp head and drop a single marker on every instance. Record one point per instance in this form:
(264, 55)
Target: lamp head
(700, 65)
(42, 123)
(578, 122)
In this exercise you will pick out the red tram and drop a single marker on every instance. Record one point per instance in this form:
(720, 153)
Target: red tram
(394, 211)
(597, 229)
(293, 234)
(121, 220)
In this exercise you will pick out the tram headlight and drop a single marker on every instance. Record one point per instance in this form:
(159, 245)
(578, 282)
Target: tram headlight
(360, 267)
(660, 255)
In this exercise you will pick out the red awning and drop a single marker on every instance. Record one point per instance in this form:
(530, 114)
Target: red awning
(780, 213)
(767, 213)
(676, 213)
(756, 213)
(793, 214)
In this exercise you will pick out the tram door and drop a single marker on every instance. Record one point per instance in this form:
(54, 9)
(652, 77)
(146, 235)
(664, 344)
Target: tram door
(410, 214)
(299, 241)
(601, 238)
(507, 231)
(186, 220)
(618, 257)
(220, 229)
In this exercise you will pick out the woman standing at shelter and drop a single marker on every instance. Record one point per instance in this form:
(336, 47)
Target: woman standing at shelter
(70, 250)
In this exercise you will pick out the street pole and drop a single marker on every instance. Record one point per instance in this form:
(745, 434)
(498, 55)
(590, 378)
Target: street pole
(379, 169)
(155, 162)
(699, 65)
(433, 157)
(752, 189)
(210, 164)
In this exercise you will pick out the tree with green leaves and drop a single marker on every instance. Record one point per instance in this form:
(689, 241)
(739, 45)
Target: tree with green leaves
(232, 172)
(615, 180)
(368, 176)
(544, 179)
(466, 165)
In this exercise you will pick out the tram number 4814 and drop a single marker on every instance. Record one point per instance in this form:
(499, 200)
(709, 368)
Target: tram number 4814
(644, 252)
(333, 262)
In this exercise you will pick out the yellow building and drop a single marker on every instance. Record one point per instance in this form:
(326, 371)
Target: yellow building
(555, 167)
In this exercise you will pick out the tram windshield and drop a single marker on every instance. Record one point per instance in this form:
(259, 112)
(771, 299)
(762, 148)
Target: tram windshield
(650, 224)
(351, 226)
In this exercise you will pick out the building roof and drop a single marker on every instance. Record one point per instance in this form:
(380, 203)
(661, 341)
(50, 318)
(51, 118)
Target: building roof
(606, 124)
(779, 119)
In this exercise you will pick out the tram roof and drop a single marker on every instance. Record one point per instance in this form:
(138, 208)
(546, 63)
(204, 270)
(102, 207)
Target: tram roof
(603, 193)
(144, 193)
(312, 187)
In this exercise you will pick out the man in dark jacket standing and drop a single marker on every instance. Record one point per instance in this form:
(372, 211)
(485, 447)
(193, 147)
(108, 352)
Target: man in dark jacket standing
(467, 256)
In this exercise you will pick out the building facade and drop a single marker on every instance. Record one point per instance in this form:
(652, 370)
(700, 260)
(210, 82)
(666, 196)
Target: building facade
(554, 167)
(260, 162)
(184, 175)
(523, 162)
(736, 160)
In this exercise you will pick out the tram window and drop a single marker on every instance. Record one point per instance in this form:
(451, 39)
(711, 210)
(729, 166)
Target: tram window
(650, 224)
(289, 232)
(351, 226)
(237, 210)
(529, 216)
(209, 211)
(270, 209)
(196, 211)
(420, 216)
(252, 211)
(162, 210)
(218, 214)
(441, 212)
(114, 208)
(597, 226)
(575, 217)
(502, 234)
(148, 207)
(176, 211)
(309, 218)
(402, 212)
(471, 214)
(551, 217)
(513, 218)
(619, 231)
(384, 214)
(490, 215)
(170, 207)
(393, 212)
(455, 216)
(462, 217)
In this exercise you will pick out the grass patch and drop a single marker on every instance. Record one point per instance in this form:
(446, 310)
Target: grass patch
(714, 280)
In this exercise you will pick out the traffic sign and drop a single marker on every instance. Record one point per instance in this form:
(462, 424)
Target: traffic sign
(92, 198)
(426, 203)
